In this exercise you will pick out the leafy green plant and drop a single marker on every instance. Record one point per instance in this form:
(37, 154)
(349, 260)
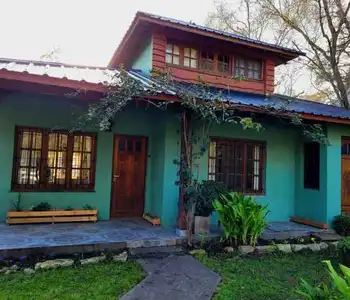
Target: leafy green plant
(42, 206)
(87, 207)
(242, 218)
(69, 208)
(344, 244)
(341, 224)
(17, 204)
(342, 284)
(202, 194)
(319, 292)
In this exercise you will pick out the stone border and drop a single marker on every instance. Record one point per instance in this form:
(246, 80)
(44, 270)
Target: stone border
(286, 248)
(62, 263)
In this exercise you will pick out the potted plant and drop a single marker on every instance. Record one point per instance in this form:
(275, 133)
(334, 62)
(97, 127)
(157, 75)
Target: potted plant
(344, 247)
(201, 195)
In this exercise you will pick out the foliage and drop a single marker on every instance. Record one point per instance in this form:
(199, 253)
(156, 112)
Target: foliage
(42, 206)
(274, 276)
(243, 219)
(341, 286)
(17, 204)
(101, 281)
(320, 28)
(341, 224)
(309, 292)
(87, 207)
(202, 194)
(344, 244)
(69, 208)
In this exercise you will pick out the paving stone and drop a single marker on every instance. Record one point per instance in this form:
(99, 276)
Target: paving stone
(229, 249)
(286, 248)
(323, 246)
(182, 277)
(314, 247)
(334, 244)
(154, 251)
(244, 250)
(28, 271)
(4, 269)
(121, 257)
(92, 260)
(326, 236)
(53, 264)
(198, 252)
(298, 247)
(265, 249)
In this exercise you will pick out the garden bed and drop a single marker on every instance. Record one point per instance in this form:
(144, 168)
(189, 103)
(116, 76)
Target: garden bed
(51, 216)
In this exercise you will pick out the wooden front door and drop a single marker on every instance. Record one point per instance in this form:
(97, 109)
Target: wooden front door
(129, 166)
(345, 176)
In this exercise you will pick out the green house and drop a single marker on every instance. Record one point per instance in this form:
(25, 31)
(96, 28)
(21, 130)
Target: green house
(129, 170)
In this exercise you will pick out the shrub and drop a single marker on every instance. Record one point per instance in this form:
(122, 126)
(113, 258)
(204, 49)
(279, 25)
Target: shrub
(341, 286)
(202, 195)
(341, 224)
(42, 206)
(242, 218)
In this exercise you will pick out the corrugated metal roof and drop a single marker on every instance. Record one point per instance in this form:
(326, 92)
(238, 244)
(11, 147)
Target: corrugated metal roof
(98, 75)
(224, 33)
(276, 102)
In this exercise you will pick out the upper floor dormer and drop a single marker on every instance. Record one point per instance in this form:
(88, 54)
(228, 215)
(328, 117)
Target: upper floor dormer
(194, 53)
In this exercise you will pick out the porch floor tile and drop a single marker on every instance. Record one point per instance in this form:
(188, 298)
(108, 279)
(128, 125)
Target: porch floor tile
(55, 235)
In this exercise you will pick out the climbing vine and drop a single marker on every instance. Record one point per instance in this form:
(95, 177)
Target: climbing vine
(197, 114)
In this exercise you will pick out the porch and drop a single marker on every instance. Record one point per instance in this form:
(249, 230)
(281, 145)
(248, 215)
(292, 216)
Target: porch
(46, 239)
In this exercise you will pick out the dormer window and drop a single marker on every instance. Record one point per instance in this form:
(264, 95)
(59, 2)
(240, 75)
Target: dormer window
(248, 69)
(223, 63)
(190, 57)
(207, 61)
(172, 54)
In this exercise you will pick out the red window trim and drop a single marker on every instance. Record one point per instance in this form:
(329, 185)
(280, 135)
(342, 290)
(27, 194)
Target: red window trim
(46, 187)
(262, 162)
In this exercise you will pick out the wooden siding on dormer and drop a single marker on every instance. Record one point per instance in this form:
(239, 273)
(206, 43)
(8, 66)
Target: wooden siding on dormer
(158, 51)
(264, 86)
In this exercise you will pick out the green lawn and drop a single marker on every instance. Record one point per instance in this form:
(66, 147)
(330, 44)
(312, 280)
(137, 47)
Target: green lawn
(269, 277)
(101, 281)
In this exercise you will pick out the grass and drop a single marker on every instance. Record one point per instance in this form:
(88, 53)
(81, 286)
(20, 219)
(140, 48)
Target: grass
(269, 277)
(100, 281)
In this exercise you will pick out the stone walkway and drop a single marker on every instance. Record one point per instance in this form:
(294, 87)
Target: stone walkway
(172, 275)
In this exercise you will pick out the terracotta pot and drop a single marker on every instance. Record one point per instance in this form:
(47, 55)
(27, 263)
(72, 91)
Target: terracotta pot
(201, 225)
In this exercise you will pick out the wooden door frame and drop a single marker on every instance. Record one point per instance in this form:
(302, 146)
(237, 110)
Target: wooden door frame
(343, 157)
(145, 173)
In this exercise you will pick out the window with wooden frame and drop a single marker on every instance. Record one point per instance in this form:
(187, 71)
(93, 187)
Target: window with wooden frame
(47, 160)
(248, 69)
(207, 61)
(172, 55)
(239, 164)
(223, 63)
(312, 165)
(190, 57)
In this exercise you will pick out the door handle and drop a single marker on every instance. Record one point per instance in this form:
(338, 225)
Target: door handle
(115, 177)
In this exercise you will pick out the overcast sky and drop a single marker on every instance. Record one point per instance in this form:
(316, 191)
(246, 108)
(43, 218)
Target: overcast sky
(87, 32)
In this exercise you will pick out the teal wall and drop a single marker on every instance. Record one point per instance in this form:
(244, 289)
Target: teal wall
(280, 165)
(52, 112)
(143, 61)
(310, 203)
(284, 160)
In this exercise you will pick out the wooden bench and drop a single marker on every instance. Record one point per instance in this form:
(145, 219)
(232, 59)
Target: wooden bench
(51, 216)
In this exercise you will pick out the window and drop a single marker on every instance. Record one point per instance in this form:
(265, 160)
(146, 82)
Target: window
(312, 165)
(172, 54)
(238, 164)
(345, 147)
(207, 61)
(190, 57)
(48, 160)
(249, 69)
(223, 64)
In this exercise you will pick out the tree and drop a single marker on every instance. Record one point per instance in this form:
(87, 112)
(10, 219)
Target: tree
(320, 28)
(52, 55)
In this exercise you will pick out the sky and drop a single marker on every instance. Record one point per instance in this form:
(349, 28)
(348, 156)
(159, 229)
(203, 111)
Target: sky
(86, 32)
